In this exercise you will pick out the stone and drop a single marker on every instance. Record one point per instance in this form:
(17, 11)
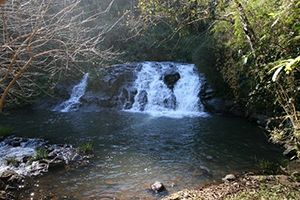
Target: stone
(229, 177)
(2, 185)
(170, 78)
(157, 187)
(3, 195)
(142, 99)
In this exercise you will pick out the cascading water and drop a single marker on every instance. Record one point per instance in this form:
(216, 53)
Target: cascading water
(176, 97)
(74, 101)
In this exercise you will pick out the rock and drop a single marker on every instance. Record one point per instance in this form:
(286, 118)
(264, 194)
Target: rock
(170, 78)
(157, 187)
(170, 102)
(113, 89)
(229, 177)
(2, 185)
(6, 175)
(296, 176)
(3, 195)
(142, 99)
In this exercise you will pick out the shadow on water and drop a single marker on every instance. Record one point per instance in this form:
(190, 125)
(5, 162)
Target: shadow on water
(133, 150)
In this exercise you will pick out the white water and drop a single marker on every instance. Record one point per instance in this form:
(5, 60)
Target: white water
(26, 149)
(74, 101)
(186, 90)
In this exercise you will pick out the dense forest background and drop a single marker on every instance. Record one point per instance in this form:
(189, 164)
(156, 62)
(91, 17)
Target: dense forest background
(248, 50)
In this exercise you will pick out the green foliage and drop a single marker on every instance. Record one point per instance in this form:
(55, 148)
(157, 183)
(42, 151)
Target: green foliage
(256, 46)
(5, 130)
(86, 148)
(40, 154)
(268, 167)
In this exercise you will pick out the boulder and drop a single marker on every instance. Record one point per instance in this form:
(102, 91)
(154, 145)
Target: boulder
(157, 187)
(170, 78)
(229, 177)
(142, 99)
(112, 90)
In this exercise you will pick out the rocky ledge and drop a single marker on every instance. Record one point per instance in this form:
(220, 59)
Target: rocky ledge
(22, 158)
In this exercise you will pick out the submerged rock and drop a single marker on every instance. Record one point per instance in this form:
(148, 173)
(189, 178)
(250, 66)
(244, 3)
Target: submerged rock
(157, 187)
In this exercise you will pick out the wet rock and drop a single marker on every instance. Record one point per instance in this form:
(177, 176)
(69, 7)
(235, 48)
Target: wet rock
(170, 102)
(170, 78)
(113, 89)
(2, 185)
(157, 187)
(229, 177)
(142, 99)
(7, 175)
(3, 195)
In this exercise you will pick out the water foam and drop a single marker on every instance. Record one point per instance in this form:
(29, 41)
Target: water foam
(74, 101)
(154, 96)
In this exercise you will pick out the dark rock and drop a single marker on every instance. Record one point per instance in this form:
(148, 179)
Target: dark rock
(2, 185)
(170, 102)
(157, 187)
(142, 99)
(113, 89)
(170, 78)
(25, 159)
(261, 120)
(11, 178)
(14, 142)
(56, 164)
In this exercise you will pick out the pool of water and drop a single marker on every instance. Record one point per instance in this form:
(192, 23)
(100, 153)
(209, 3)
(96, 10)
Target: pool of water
(133, 150)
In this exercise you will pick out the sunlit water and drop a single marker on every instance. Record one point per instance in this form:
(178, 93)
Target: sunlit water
(133, 150)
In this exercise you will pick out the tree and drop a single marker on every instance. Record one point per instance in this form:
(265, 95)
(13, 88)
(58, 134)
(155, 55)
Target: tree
(43, 41)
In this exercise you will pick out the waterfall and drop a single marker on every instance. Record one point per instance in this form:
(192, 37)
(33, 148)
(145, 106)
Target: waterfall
(167, 89)
(74, 101)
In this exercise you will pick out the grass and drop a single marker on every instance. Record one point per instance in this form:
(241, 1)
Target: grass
(86, 148)
(5, 131)
(41, 153)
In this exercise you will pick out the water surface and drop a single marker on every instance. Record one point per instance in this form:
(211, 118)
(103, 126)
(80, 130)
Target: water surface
(132, 150)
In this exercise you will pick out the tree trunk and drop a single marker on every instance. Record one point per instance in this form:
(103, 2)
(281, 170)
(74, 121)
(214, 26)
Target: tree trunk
(249, 32)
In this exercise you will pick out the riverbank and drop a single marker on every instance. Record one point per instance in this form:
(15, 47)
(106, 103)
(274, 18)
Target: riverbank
(246, 187)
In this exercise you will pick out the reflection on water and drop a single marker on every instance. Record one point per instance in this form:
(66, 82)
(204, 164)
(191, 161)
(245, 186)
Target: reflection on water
(134, 150)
